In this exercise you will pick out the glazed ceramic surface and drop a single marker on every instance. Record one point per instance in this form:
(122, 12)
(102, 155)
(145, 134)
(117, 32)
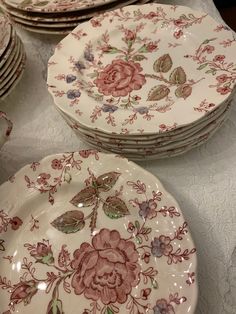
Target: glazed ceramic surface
(56, 5)
(96, 230)
(135, 82)
(15, 77)
(66, 17)
(154, 146)
(5, 130)
(5, 33)
(10, 58)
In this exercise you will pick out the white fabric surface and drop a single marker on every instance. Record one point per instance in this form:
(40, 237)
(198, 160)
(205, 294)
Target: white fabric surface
(203, 181)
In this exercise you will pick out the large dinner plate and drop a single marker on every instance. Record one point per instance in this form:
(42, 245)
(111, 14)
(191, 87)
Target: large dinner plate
(89, 232)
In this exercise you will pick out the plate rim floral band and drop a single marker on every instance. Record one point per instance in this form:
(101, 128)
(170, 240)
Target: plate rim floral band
(155, 236)
(74, 81)
(66, 6)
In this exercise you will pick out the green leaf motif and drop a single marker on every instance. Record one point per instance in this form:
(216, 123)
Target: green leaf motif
(69, 222)
(139, 58)
(115, 208)
(202, 66)
(85, 198)
(41, 4)
(106, 181)
(137, 224)
(183, 91)
(158, 92)
(178, 76)
(163, 64)
(55, 307)
(109, 311)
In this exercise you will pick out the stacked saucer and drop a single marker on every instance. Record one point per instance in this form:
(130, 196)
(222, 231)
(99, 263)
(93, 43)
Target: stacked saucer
(12, 57)
(57, 17)
(147, 83)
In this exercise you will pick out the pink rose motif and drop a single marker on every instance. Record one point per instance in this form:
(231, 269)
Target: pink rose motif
(120, 78)
(219, 58)
(161, 246)
(95, 23)
(56, 164)
(23, 292)
(178, 34)
(42, 252)
(106, 270)
(209, 49)
(222, 78)
(224, 90)
(43, 177)
(163, 307)
(148, 209)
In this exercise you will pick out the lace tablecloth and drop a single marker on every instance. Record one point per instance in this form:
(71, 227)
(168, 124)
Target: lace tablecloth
(203, 180)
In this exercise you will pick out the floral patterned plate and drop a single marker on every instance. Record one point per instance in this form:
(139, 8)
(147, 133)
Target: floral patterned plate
(5, 33)
(11, 55)
(96, 230)
(10, 72)
(133, 81)
(15, 78)
(158, 150)
(4, 78)
(158, 139)
(113, 145)
(49, 6)
(5, 131)
(66, 17)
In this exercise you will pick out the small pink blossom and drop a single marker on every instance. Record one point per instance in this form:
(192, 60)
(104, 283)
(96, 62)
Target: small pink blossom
(224, 90)
(43, 177)
(178, 34)
(95, 23)
(56, 164)
(209, 49)
(222, 78)
(219, 58)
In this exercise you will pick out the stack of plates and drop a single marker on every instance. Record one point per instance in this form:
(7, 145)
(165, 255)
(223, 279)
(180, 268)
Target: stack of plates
(57, 16)
(147, 83)
(12, 57)
(93, 230)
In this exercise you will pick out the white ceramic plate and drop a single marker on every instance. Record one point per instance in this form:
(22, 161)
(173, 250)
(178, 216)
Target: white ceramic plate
(66, 17)
(48, 6)
(5, 33)
(95, 230)
(120, 78)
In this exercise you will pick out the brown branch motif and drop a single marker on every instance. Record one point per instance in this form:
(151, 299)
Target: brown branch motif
(63, 166)
(224, 71)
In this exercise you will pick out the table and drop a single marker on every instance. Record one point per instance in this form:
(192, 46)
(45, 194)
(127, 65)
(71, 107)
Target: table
(203, 181)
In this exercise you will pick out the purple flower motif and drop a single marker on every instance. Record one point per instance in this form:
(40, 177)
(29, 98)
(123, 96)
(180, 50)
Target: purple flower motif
(162, 307)
(79, 65)
(147, 209)
(161, 246)
(88, 56)
(109, 108)
(73, 93)
(142, 110)
(70, 78)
